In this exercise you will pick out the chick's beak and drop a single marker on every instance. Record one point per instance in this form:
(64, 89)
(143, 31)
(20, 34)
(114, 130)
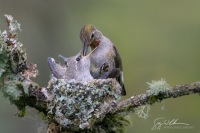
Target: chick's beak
(90, 53)
(85, 49)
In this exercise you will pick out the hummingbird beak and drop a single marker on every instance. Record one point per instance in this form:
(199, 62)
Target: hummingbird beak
(62, 57)
(85, 48)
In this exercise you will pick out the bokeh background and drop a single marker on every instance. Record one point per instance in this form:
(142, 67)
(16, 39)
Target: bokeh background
(156, 39)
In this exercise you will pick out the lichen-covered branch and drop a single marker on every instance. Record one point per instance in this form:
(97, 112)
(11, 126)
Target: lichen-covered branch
(15, 73)
(150, 98)
(75, 106)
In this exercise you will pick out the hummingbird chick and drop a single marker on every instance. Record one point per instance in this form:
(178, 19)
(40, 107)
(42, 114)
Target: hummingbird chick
(105, 52)
(76, 67)
(104, 73)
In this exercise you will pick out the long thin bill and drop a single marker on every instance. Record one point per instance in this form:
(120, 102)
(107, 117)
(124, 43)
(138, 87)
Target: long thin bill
(85, 48)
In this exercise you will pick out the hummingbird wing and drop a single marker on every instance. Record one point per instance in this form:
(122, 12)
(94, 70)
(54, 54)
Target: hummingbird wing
(114, 73)
(118, 64)
(117, 59)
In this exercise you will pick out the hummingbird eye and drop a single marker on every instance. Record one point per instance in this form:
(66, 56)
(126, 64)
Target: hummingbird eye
(92, 35)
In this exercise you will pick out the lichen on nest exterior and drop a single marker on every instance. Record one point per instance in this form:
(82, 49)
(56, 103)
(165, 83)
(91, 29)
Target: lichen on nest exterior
(78, 105)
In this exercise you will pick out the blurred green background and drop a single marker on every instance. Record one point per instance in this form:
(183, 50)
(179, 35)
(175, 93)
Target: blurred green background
(156, 39)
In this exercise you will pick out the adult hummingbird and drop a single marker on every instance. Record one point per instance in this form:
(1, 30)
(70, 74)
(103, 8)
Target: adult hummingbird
(105, 52)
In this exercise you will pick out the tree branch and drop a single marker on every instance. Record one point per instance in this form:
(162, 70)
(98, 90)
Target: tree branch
(143, 99)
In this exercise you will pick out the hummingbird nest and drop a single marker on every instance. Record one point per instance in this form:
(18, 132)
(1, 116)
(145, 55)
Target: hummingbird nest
(79, 104)
(71, 101)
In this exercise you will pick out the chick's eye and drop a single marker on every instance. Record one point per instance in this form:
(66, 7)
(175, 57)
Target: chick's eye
(78, 58)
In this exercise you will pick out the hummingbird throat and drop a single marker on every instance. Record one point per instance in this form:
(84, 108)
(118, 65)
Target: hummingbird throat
(95, 44)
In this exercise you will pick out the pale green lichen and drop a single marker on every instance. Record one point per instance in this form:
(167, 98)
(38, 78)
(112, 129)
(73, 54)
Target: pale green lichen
(78, 105)
(12, 55)
(14, 70)
(14, 26)
(156, 87)
(12, 91)
(3, 55)
(143, 111)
